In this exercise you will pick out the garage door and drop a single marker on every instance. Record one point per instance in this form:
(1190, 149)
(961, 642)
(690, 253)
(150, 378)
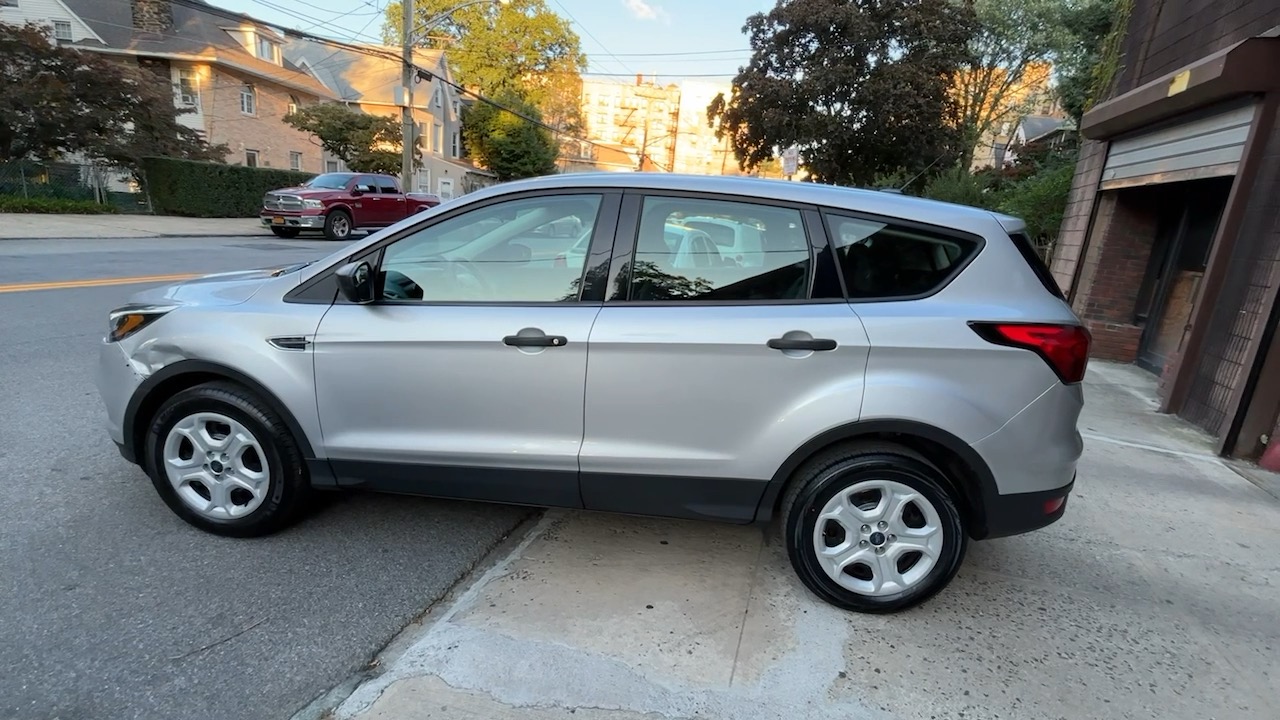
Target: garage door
(1201, 146)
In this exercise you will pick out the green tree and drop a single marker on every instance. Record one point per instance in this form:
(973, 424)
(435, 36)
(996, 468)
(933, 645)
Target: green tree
(861, 87)
(508, 145)
(69, 101)
(1087, 23)
(366, 143)
(957, 185)
(1011, 55)
(519, 47)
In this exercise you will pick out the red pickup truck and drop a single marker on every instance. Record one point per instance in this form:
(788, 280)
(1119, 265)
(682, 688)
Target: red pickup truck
(339, 203)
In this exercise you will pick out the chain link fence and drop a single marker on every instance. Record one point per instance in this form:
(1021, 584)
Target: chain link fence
(86, 182)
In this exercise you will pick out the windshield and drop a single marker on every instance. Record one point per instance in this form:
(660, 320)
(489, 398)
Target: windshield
(329, 181)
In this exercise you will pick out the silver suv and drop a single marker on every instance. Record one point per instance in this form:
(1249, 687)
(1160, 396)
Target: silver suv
(889, 377)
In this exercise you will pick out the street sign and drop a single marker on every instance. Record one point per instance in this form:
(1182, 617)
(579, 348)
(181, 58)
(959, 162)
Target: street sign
(790, 160)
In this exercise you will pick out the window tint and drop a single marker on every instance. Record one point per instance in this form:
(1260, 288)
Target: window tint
(757, 252)
(882, 260)
(507, 252)
(387, 186)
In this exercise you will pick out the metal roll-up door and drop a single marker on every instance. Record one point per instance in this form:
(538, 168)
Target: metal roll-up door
(1201, 146)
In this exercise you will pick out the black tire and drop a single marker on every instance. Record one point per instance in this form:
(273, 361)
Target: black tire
(288, 482)
(285, 232)
(821, 478)
(338, 225)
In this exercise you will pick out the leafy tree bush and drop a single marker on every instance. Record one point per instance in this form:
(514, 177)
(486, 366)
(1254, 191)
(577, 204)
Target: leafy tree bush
(196, 189)
(506, 144)
(57, 206)
(860, 88)
(957, 185)
(366, 143)
(60, 100)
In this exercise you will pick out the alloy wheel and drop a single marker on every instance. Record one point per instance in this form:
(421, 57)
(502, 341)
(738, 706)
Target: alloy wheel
(216, 466)
(878, 537)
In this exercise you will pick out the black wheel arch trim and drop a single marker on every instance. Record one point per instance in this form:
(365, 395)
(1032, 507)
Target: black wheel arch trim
(142, 397)
(979, 487)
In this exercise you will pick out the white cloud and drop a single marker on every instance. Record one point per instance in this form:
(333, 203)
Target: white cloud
(644, 11)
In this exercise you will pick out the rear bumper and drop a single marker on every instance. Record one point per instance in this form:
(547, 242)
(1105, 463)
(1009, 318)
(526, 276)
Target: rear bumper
(1023, 512)
(291, 220)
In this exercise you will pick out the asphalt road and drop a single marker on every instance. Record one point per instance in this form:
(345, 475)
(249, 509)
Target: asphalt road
(110, 606)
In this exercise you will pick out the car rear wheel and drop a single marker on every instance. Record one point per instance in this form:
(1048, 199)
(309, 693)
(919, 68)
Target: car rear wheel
(285, 232)
(337, 225)
(872, 527)
(225, 462)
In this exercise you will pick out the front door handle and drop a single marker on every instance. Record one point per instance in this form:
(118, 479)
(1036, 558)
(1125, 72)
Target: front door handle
(535, 340)
(815, 344)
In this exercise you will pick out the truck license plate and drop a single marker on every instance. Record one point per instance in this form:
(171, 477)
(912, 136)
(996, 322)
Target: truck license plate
(277, 221)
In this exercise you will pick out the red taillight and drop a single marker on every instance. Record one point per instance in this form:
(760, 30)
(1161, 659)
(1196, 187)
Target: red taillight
(1064, 347)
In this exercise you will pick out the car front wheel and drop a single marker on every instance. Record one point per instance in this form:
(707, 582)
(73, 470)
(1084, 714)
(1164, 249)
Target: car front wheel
(225, 462)
(872, 527)
(337, 225)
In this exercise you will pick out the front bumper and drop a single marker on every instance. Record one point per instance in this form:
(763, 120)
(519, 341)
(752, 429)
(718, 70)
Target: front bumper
(291, 220)
(117, 380)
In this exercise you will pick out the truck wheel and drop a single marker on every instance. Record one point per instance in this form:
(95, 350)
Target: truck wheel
(337, 225)
(285, 232)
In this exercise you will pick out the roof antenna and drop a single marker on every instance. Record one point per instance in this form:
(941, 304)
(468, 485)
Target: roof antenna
(917, 175)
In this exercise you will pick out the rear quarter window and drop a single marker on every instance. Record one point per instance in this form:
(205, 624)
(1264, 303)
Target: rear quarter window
(883, 260)
(1036, 263)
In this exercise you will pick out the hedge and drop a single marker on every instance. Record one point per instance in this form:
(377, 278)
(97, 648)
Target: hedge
(202, 189)
(13, 204)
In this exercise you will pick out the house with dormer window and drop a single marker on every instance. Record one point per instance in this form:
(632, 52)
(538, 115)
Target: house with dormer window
(228, 70)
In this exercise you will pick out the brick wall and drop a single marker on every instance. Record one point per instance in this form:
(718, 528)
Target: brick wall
(1111, 273)
(1076, 218)
(263, 131)
(1162, 36)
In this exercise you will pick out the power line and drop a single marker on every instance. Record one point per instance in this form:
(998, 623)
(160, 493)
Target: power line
(591, 35)
(388, 55)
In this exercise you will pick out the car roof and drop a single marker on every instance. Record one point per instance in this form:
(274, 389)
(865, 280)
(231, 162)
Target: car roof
(856, 199)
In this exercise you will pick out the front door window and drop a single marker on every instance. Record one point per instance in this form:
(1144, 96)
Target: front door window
(501, 253)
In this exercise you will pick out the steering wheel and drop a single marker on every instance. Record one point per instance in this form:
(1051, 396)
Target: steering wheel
(469, 269)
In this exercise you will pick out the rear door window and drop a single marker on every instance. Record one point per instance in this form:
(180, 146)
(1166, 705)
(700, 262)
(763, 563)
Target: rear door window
(882, 260)
(387, 186)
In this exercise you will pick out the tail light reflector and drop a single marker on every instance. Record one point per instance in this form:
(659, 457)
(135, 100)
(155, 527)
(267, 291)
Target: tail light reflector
(1064, 347)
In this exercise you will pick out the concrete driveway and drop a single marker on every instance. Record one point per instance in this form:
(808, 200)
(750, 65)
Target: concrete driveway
(1155, 597)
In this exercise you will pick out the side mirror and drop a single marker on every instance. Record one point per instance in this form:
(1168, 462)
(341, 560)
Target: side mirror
(356, 192)
(355, 280)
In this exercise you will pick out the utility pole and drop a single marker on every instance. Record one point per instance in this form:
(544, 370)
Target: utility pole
(408, 141)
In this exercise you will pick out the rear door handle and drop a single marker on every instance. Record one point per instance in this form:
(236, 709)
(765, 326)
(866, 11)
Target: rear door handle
(815, 344)
(535, 340)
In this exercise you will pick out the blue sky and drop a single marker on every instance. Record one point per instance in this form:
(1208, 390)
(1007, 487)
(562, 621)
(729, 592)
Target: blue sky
(621, 37)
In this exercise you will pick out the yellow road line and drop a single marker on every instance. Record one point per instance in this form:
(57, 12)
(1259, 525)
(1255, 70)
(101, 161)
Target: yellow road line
(99, 282)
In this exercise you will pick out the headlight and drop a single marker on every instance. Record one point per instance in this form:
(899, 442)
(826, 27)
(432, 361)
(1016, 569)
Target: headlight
(313, 204)
(132, 318)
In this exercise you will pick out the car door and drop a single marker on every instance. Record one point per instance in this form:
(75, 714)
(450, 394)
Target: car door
(367, 204)
(465, 378)
(708, 371)
(391, 201)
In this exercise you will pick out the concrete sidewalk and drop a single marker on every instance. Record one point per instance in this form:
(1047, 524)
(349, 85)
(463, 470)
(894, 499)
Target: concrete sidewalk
(1155, 597)
(35, 226)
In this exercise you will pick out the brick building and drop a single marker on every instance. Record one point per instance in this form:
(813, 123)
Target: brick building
(226, 69)
(1170, 246)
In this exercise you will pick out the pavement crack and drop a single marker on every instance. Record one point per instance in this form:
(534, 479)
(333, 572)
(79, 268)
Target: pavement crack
(215, 643)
